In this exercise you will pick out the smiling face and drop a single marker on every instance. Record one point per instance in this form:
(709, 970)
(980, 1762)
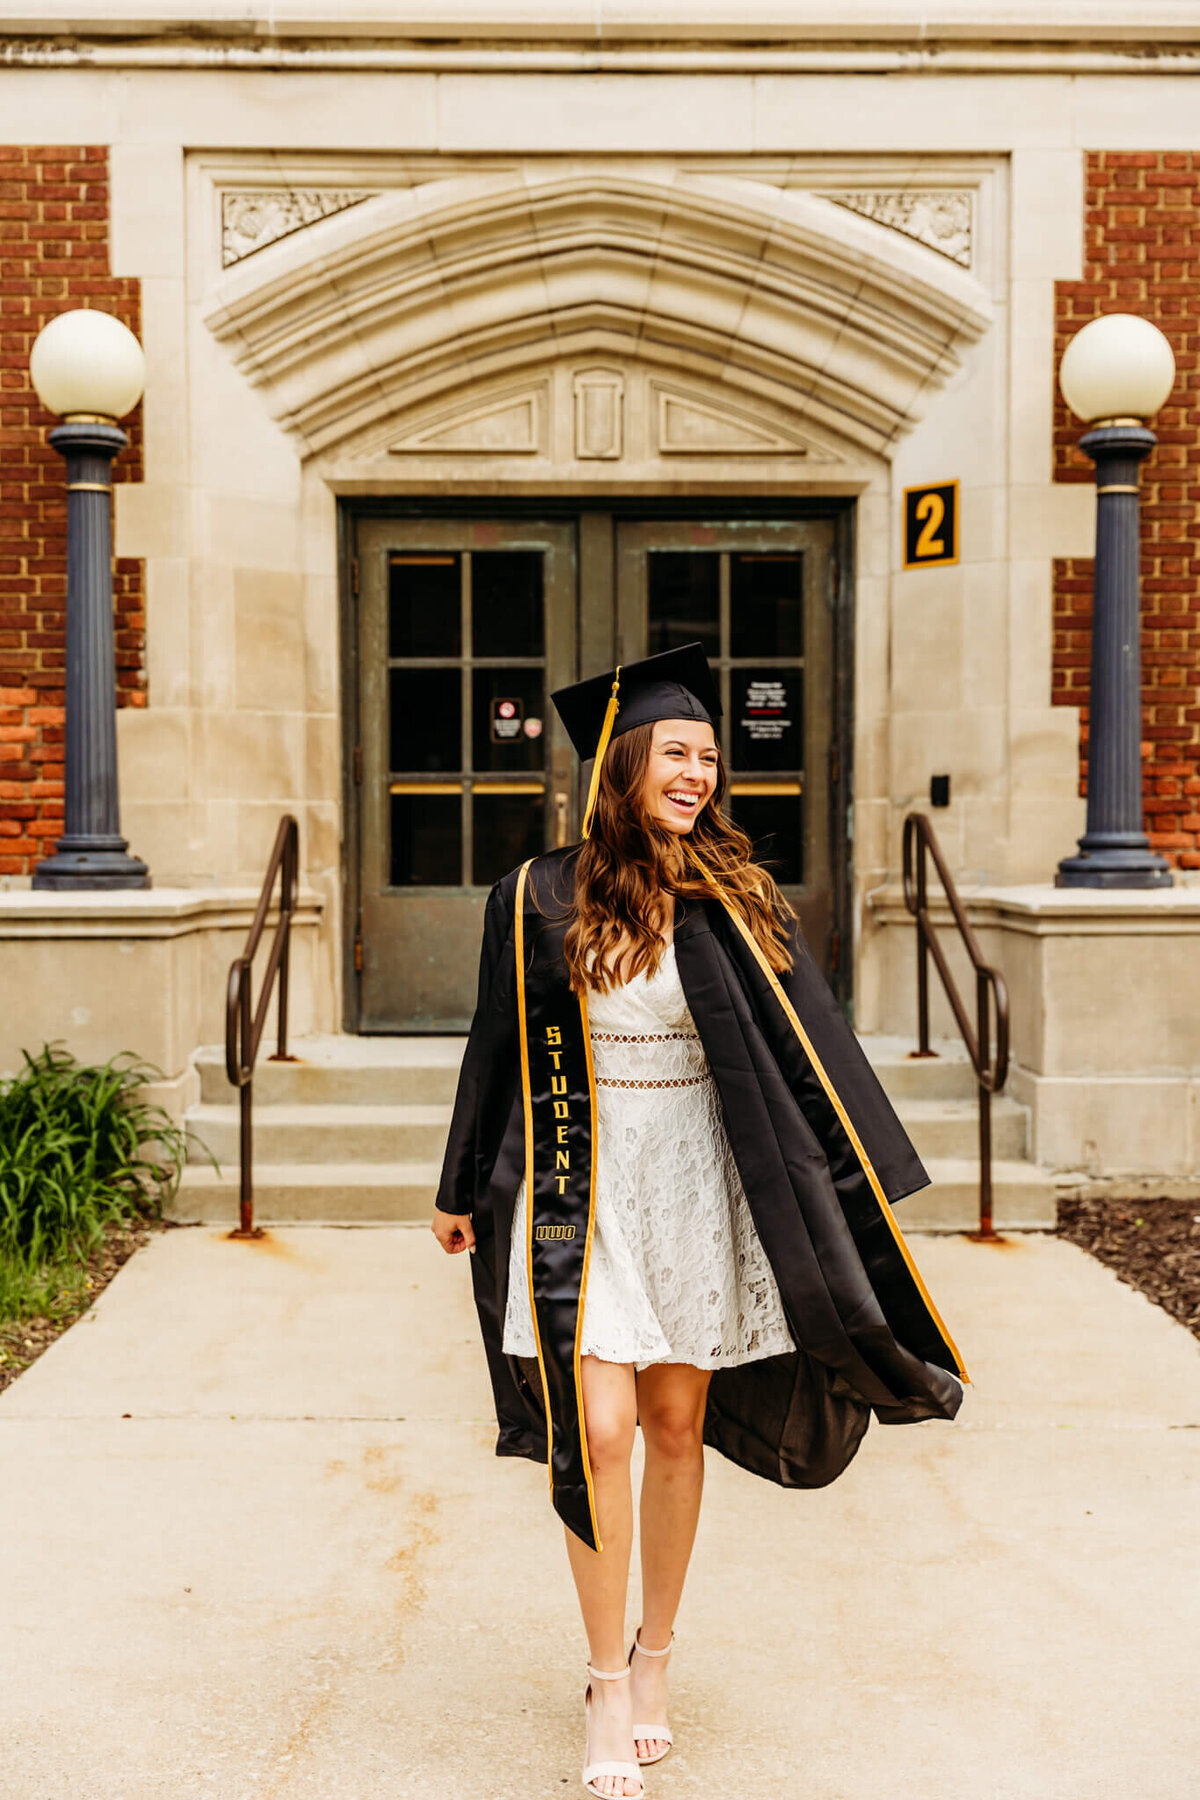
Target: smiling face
(681, 774)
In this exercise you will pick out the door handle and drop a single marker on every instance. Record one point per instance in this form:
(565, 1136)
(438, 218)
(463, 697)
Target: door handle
(561, 822)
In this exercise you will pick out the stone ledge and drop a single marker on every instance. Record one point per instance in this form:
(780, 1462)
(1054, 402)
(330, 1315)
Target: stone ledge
(897, 24)
(138, 912)
(1042, 910)
(144, 970)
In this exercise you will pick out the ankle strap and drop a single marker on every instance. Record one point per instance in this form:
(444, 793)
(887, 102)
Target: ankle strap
(607, 1674)
(637, 1639)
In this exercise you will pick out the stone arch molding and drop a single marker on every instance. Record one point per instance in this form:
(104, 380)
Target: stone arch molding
(755, 320)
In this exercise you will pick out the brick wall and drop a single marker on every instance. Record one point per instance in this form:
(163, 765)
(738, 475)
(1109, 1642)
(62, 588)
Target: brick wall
(1142, 255)
(53, 255)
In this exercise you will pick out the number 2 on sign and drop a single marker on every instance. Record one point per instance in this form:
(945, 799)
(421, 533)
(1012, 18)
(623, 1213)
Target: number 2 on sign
(932, 509)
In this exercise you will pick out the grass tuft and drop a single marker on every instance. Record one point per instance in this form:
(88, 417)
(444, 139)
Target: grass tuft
(79, 1152)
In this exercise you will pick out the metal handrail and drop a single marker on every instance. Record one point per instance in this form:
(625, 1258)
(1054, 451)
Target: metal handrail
(244, 1022)
(990, 1071)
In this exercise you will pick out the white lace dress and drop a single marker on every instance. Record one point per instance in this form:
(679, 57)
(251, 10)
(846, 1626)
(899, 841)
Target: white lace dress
(677, 1273)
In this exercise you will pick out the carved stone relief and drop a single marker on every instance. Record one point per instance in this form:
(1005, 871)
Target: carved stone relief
(691, 425)
(939, 218)
(252, 218)
(599, 409)
(510, 424)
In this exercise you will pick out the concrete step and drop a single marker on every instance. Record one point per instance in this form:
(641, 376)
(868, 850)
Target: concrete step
(310, 1194)
(383, 1193)
(317, 1133)
(378, 1071)
(349, 1071)
(353, 1132)
(1023, 1197)
(951, 1127)
(946, 1075)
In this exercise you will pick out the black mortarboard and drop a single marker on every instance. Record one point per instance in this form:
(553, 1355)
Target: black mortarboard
(676, 684)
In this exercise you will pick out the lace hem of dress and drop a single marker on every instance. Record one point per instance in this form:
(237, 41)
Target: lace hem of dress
(774, 1344)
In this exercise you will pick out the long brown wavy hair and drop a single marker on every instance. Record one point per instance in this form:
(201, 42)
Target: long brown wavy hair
(630, 864)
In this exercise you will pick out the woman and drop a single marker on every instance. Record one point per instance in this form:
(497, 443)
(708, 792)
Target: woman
(673, 1164)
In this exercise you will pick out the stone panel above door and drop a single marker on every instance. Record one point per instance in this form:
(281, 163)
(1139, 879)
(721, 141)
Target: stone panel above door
(625, 413)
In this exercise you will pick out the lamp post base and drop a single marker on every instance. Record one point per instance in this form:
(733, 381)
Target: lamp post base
(91, 863)
(1110, 866)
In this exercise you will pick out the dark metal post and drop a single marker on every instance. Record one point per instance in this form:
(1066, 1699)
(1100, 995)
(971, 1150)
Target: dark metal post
(287, 905)
(1114, 851)
(91, 853)
(922, 955)
(984, 1080)
(246, 1226)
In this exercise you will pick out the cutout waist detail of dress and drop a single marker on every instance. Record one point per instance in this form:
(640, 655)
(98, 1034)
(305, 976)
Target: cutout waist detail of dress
(642, 1033)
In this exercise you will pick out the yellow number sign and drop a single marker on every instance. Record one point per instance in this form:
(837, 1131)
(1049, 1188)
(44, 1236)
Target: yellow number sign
(931, 525)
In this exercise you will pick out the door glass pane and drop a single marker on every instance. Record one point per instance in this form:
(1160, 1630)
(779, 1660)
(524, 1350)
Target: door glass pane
(684, 600)
(767, 723)
(507, 828)
(424, 610)
(507, 719)
(774, 823)
(765, 606)
(426, 840)
(506, 603)
(425, 720)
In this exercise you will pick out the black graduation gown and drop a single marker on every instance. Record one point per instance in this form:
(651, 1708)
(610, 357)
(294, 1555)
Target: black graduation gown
(820, 1152)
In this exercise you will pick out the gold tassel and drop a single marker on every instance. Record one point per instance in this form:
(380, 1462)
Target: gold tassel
(610, 715)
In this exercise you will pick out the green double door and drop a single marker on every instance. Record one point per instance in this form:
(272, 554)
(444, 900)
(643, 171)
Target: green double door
(463, 627)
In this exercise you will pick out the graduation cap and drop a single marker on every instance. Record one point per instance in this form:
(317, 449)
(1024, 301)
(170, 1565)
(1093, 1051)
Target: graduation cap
(676, 684)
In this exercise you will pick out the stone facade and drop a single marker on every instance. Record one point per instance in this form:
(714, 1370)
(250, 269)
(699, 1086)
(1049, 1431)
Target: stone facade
(816, 261)
(54, 225)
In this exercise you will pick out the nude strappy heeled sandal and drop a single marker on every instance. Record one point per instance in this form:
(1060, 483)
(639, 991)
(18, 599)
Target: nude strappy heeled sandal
(661, 1732)
(592, 1771)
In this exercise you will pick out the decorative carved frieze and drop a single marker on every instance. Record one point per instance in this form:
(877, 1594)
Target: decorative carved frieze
(252, 218)
(939, 218)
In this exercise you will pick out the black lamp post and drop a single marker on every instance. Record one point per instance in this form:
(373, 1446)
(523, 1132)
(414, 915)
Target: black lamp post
(88, 367)
(1116, 372)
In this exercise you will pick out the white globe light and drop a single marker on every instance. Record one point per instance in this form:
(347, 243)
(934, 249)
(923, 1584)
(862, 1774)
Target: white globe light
(88, 362)
(1118, 367)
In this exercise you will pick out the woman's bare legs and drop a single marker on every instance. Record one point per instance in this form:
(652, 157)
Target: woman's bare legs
(601, 1580)
(671, 1400)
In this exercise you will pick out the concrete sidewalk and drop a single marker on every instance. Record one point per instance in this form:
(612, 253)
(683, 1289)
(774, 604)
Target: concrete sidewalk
(255, 1546)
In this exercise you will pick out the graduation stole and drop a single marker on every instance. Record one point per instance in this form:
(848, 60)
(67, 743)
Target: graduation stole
(558, 1090)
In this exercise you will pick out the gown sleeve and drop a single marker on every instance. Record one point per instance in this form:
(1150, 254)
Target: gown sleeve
(456, 1189)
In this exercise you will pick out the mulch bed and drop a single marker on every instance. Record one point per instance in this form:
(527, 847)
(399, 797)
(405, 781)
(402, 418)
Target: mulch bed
(1154, 1245)
(23, 1340)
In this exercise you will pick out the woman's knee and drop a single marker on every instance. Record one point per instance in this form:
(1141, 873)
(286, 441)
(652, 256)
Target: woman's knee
(610, 1419)
(674, 1429)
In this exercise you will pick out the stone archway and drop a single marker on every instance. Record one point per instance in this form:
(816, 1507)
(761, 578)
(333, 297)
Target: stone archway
(592, 329)
(451, 299)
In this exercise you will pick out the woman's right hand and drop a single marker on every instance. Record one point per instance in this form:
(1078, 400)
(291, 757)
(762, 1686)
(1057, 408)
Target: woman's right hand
(453, 1231)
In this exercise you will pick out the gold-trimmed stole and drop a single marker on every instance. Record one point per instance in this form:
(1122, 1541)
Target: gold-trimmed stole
(559, 1097)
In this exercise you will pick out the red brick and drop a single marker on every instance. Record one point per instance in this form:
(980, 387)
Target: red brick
(1142, 251)
(53, 252)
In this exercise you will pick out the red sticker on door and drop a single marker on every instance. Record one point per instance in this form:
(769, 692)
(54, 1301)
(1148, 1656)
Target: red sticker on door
(506, 720)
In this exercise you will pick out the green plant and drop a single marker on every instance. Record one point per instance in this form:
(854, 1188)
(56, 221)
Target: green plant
(78, 1150)
(57, 1290)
